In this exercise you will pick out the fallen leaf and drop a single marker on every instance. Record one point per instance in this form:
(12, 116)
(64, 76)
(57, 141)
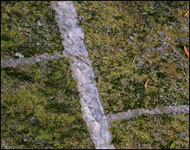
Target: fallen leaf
(145, 85)
(186, 13)
(186, 52)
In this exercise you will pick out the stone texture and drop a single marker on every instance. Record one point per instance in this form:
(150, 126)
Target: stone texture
(82, 72)
(138, 112)
(31, 60)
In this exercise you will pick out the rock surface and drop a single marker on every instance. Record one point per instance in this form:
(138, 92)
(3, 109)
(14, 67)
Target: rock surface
(82, 72)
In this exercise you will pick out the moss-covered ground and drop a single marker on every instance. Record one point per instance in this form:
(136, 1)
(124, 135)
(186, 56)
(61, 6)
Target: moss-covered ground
(152, 132)
(41, 108)
(28, 28)
(127, 43)
(125, 47)
(40, 105)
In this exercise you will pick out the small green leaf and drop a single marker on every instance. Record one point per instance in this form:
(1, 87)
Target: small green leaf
(173, 145)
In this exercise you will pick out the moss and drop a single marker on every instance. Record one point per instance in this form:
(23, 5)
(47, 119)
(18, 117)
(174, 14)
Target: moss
(129, 42)
(28, 28)
(151, 132)
(42, 111)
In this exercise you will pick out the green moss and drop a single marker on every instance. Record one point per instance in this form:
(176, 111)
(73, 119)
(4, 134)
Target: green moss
(151, 132)
(28, 28)
(129, 42)
(40, 106)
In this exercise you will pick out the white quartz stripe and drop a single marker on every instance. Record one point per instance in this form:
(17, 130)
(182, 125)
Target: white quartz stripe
(31, 60)
(137, 112)
(82, 72)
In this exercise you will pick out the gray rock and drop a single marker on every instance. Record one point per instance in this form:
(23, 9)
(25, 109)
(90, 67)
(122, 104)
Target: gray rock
(82, 72)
